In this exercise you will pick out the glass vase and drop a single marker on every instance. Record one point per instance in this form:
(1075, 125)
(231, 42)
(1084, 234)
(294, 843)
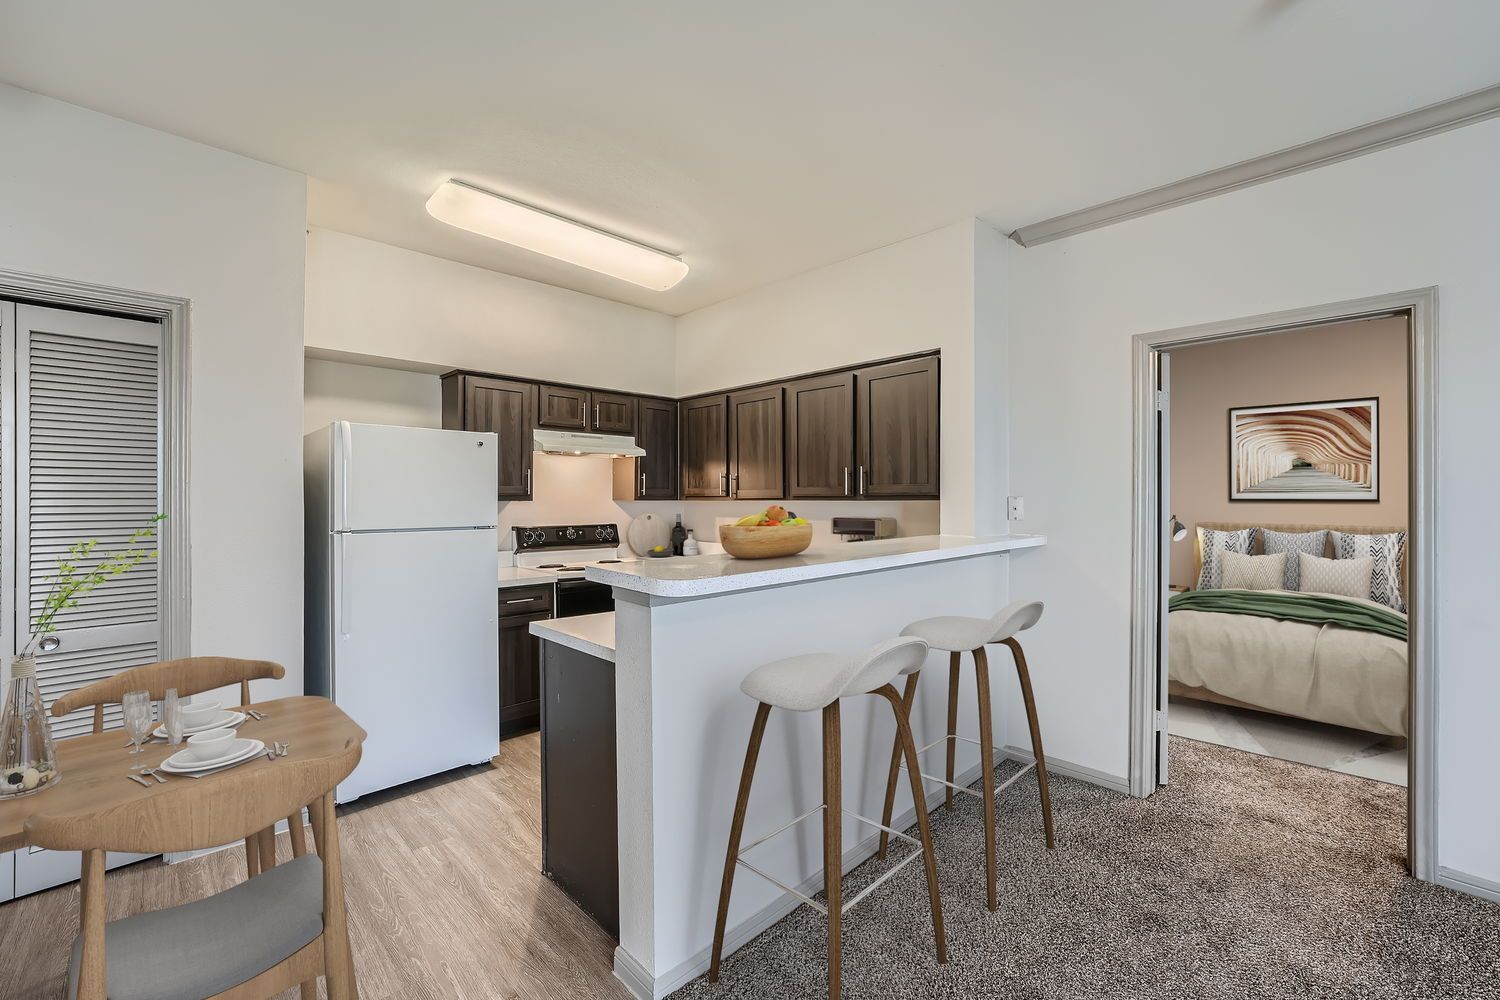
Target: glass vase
(28, 760)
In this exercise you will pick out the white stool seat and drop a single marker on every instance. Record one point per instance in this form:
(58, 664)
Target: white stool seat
(815, 680)
(957, 634)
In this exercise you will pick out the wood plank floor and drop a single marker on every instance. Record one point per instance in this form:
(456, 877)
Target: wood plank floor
(445, 893)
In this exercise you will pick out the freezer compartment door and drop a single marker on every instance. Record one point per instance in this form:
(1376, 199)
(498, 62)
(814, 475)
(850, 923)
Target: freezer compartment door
(416, 652)
(394, 478)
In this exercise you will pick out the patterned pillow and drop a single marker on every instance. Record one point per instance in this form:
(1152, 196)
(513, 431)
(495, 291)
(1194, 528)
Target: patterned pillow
(1344, 577)
(1243, 572)
(1311, 542)
(1386, 550)
(1213, 542)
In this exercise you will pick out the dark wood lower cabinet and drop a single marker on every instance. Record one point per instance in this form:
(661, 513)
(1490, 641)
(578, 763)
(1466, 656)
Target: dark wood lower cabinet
(520, 658)
(580, 803)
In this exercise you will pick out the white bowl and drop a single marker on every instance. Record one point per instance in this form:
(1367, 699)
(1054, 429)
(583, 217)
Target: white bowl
(209, 745)
(199, 712)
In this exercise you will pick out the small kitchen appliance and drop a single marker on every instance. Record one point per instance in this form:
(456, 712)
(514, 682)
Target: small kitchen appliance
(860, 529)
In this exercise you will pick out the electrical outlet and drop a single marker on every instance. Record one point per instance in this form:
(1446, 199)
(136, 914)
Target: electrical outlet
(1015, 508)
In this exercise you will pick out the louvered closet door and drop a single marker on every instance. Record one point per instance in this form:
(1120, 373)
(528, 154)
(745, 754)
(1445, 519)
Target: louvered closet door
(87, 460)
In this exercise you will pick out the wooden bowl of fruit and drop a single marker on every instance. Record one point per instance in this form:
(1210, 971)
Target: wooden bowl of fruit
(773, 532)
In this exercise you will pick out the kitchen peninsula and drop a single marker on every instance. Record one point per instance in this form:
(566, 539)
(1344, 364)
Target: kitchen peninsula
(686, 631)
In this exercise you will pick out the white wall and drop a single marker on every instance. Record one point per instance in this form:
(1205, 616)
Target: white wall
(371, 299)
(1425, 213)
(88, 197)
(916, 295)
(333, 391)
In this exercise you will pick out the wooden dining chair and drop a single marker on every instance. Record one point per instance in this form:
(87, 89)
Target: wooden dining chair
(285, 927)
(191, 675)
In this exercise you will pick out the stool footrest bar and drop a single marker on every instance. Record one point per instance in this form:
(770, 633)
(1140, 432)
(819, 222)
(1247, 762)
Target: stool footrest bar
(784, 887)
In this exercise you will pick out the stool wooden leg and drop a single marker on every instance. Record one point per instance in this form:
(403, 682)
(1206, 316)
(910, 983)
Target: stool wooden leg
(953, 661)
(987, 773)
(934, 900)
(890, 781)
(833, 841)
(1024, 676)
(736, 829)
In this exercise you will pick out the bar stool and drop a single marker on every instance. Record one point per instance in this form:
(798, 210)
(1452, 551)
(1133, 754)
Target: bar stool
(816, 683)
(958, 635)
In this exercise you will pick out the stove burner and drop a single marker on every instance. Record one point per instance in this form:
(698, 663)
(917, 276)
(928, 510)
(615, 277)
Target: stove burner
(603, 562)
(552, 566)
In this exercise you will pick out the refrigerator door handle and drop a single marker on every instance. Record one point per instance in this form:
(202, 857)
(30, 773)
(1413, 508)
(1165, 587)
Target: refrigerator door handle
(346, 458)
(341, 585)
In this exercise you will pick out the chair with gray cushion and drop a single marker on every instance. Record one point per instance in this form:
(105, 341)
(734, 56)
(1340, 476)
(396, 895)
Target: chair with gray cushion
(816, 683)
(958, 635)
(282, 928)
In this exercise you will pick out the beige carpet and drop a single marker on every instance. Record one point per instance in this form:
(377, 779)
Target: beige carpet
(1249, 877)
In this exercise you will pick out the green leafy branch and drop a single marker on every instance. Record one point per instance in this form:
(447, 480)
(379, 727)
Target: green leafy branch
(74, 580)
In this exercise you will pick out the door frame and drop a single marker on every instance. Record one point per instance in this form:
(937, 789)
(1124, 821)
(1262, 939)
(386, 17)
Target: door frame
(1148, 598)
(175, 314)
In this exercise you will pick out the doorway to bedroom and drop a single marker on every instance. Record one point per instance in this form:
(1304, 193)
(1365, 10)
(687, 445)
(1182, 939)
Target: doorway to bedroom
(1283, 472)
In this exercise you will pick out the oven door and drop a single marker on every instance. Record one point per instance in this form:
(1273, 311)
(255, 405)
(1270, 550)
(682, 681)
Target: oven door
(583, 597)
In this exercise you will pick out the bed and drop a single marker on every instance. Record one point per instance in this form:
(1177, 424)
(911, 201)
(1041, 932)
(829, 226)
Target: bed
(1343, 676)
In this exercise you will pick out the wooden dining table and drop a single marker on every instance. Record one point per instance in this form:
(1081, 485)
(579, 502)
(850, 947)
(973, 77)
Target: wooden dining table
(95, 768)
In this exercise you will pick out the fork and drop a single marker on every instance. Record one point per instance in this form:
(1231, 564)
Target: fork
(161, 779)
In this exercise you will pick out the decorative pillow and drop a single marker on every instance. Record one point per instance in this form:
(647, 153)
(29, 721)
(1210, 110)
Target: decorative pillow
(1344, 577)
(1213, 542)
(1312, 542)
(1386, 550)
(1242, 572)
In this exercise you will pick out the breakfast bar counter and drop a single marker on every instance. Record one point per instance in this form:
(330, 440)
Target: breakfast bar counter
(686, 632)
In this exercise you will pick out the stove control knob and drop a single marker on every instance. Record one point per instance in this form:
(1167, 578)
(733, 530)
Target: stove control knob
(571, 534)
(600, 534)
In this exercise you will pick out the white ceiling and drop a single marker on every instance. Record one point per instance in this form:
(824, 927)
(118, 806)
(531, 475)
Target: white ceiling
(756, 139)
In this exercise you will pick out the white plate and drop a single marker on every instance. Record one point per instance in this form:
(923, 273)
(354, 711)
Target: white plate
(228, 720)
(245, 749)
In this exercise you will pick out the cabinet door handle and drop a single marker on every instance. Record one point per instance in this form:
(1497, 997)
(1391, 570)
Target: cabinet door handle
(725, 477)
(643, 484)
(522, 600)
(736, 478)
(596, 416)
(528, 482)
(861, 480)
(846, 480)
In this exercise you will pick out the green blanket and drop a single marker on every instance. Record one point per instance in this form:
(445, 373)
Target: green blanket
(1315, 609)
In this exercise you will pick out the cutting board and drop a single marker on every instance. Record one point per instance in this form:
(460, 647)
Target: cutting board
(646, 532)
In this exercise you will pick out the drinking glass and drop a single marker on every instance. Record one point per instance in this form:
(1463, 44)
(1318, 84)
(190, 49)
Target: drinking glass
(137, 710)
(171, 716)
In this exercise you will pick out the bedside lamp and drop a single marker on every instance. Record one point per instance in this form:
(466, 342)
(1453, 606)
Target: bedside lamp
(1179, 530)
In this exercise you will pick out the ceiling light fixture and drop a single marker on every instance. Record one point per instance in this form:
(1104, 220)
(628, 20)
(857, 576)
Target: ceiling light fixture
(499, 218)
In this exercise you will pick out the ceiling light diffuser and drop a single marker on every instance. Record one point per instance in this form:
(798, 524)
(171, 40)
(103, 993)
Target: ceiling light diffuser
(467, 207)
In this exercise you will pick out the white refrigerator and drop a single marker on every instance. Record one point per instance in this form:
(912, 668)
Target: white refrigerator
(401, 595)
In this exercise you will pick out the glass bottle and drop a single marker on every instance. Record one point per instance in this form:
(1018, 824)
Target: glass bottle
(28, 761)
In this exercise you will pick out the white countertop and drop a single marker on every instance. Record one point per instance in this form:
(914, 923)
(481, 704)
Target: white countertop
(701, 576)
(515, 576)
(591, 634)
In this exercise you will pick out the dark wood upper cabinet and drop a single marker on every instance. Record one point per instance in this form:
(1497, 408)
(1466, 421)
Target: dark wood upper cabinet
(656, 431)
(757, 469)
(561, 408)
(897, 429)
(613, 413)
(653, 477)
(704, 436)
(504, 407)
(820, 459)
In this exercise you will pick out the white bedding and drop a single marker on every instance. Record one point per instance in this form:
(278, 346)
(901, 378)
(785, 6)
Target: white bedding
(1341, 676)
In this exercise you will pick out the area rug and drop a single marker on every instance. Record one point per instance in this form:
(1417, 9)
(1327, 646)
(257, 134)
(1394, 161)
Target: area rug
(1247, 877)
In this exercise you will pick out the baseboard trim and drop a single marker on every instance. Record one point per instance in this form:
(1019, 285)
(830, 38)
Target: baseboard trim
(1114, 782)
(1411, 125)
(633, 974)
(1472, 885)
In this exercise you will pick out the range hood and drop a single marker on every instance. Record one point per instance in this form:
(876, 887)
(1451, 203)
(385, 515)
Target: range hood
(579, 443)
